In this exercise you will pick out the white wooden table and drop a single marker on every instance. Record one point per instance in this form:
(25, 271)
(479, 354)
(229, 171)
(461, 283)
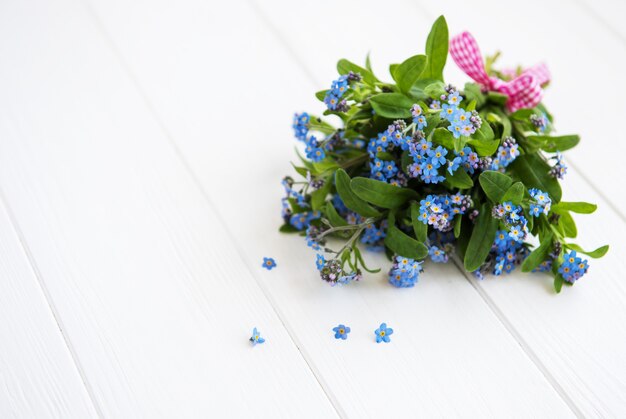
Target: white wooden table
(141, 149)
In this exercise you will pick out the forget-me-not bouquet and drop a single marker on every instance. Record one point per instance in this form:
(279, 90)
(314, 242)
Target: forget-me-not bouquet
(421, 169)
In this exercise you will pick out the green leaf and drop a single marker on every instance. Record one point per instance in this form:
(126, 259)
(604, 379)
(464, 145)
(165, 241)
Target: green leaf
(495, 184)
(484, 133)
(437, 49)
(392, 70)
(515, 193)
(432, 121)
(460, 179)
(368, 63)
(484, 147)
(533, 171)
(435, 90)
(457, 226)
(523, 114)
(481, 240)
(333, 216)
(321, 95)
(288, 228)
(392, 105)
(359, 257)
(318, 124)
(404, 245)
(567, 224)
(504, 120)
(406, 160)
(598, 253)
(497, 98)
(419, 228)
(558, 283)
(409, 72)
(459, 143)
(318, 197)
(472, 92)
(539, 254)
(349, 198)
(302, 171)
(444, 137)
(380, 193)
(344, 67)
(554, 144)
(385, 156)
(325, 165)
(577, 207)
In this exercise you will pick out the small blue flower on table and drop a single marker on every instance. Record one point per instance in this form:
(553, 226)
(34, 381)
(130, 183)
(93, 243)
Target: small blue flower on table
(383, 333)
(256, 337)
(341, 332)
(269, 263)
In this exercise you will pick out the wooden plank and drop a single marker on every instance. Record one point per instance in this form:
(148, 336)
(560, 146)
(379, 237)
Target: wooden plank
(579, 335)
(37, 373)
(545, 324)
(227, 99)
(154, 297)
(610, 15)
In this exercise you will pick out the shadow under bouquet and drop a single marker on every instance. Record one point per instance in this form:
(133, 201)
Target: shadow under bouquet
(420, 169)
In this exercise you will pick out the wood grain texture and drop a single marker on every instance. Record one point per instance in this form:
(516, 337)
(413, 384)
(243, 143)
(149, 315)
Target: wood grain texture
(609, 14)
(38, 377)
(450, 355)
(586, 319)
(146, 281)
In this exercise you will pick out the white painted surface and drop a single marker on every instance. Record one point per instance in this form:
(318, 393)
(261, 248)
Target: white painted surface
(38, 377)
(145, 279)
(148, 195)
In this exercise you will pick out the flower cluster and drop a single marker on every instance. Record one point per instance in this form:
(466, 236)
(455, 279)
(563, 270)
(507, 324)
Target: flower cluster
(559, 170)
(404, 272)
(573, 267)
(439, 210)
(388, 170)
(507, 152)
(419, 119)
(428, 160)
(332, 271)
(302, 220)
(461, 121)
(512, 216)
(539, 121)
(315, 150)
(337, 89)
(507, 252)
(542, 202)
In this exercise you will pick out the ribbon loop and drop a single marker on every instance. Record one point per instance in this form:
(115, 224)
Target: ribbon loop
(524, 91)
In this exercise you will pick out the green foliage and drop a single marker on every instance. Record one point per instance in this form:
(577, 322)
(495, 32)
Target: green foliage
(391, 105)
(437, 49)
(377, 196)
(481, 240)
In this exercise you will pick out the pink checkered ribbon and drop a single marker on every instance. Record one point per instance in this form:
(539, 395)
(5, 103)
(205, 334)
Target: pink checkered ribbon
(524, 91)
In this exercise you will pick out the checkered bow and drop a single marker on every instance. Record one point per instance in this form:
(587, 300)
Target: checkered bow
(524, 91)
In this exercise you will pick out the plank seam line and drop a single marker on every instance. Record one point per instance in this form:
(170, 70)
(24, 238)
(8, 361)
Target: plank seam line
(490, 303)
(525, 346)
(54, 311)
(600, 19)
(198, 184)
